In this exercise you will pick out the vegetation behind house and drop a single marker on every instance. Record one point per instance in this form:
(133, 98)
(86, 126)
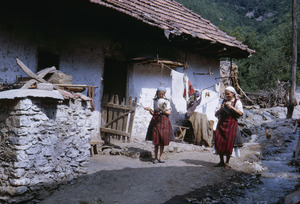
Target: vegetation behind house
(263, 25)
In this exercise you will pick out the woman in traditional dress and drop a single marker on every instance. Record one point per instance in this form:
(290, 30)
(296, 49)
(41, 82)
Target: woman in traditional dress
(159, 130)
(230, 110)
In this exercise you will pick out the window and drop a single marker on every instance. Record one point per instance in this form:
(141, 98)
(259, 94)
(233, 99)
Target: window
(47, 59)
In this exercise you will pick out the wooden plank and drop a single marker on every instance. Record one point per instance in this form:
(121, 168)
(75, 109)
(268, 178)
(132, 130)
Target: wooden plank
(110, 105)
(132, 117)
(120, 116)
(28, 84)
(115, 113)
(114, 132)
(127, 119)
(41, 74)
(29, 72)
(110, 112)
(104, 113)
(44, 72)
(121, 120)
(181, 127)
(74, 85)
(33, 75)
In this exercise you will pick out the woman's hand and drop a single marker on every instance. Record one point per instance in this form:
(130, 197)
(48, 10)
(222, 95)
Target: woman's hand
(167, 112)
(149, 109)
(222, 106)
(229, 105)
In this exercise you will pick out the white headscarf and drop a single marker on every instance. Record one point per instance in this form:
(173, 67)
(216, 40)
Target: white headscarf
(231, 89)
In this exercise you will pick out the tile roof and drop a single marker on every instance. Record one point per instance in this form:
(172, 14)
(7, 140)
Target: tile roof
(176, 20)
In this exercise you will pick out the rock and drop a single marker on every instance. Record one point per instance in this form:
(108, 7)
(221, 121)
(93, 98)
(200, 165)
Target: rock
(59, 77)
(19, 182)
(145, 154)
(292, 198)
(106, 151)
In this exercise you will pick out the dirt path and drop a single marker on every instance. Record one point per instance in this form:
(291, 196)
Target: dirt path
(188, 173)
(121, 179)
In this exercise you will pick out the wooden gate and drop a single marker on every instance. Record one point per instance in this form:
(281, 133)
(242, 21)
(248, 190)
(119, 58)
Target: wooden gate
(117, 118)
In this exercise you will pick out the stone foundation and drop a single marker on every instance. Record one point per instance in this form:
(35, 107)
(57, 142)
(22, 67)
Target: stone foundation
(44, 143)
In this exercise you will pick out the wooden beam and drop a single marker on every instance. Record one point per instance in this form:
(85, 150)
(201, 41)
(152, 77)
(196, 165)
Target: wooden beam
(73, 85)
(116, 132)
(33, 75)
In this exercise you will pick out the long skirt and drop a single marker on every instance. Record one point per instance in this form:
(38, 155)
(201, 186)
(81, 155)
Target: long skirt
(159, 130)
(225, 135)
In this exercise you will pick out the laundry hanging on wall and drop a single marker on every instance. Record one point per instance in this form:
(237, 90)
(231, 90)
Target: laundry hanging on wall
(191, 89)
(178, 87)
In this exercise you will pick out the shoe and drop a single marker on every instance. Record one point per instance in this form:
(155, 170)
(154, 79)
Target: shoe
(220, 164)
(161, 161)
(227, 167)
(155, 161)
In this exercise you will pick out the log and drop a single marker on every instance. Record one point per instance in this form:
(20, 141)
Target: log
(33, 75)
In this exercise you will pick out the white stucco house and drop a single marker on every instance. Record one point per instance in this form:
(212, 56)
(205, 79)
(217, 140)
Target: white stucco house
(118, 46)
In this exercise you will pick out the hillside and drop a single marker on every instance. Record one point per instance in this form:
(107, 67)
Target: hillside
(251, 15)
(262, 25)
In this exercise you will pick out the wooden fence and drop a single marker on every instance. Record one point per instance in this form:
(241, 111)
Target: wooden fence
(117, 118)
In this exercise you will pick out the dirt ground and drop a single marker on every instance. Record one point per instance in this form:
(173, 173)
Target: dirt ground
(188, 173)
(123, 179)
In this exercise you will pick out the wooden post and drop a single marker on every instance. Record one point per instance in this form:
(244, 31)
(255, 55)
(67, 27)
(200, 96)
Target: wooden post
(294, 62)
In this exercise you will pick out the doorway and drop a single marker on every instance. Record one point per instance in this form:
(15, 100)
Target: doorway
(115, 78)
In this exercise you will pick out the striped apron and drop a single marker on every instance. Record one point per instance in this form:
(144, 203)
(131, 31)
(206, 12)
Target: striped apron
(225, 134)
(159, 130)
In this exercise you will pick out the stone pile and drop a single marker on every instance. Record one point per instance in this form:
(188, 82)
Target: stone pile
(44, 143)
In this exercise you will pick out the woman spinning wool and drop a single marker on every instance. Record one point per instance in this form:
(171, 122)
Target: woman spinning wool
(230, 110)
(159, 130)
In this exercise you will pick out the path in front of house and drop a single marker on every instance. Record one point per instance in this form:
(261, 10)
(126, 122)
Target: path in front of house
(122, 179)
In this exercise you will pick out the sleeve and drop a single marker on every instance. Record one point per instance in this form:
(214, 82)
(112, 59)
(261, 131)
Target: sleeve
(168, 106)
(239, 106)
(219, 105)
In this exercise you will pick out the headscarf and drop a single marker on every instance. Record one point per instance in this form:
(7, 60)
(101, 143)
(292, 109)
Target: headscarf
(161, 88)
(231, 89)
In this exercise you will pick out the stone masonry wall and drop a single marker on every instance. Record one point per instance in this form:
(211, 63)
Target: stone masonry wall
(43, 144)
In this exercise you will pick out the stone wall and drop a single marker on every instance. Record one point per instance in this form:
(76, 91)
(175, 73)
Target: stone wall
(44, 143)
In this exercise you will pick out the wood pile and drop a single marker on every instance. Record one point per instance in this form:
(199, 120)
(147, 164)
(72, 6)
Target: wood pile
(278, 96)
(41, 80)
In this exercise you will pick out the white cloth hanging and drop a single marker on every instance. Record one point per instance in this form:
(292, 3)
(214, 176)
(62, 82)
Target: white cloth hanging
(178, 86)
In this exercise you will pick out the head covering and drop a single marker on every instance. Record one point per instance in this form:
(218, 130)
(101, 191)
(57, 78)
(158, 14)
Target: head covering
(161, 88)
(231, 89)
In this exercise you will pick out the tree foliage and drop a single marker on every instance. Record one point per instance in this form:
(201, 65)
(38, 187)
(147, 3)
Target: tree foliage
(265, 26)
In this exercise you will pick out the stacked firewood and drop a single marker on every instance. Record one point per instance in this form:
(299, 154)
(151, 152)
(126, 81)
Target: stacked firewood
(278, 96)
(57, 80)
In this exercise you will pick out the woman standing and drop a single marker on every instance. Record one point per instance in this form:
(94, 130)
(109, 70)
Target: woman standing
(230, 110)
(159, 130)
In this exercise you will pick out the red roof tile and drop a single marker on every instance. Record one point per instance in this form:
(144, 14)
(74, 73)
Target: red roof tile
(174, 18)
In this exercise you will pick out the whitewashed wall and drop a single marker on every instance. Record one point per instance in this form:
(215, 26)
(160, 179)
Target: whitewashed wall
(84, 60)
(82, 55)
(144, 79)
(206, 83)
